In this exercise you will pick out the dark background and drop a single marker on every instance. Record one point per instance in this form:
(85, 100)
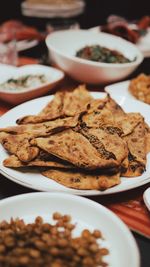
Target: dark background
(96, 11)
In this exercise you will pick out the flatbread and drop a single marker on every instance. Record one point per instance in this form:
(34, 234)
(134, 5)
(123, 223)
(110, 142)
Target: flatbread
(64, 104)
(49, 161)
(102, 112)
(128, 122)
(136, 142)
(52, 111)
(78, 150)
(109, 145)
(83, 181)
(19, 145)
(41, 129)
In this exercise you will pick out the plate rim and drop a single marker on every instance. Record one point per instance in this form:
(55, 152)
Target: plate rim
(147, 202)
(26, 43)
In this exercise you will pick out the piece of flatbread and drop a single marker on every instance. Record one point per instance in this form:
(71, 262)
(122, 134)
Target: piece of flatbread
(83, 181)
(52, 111)
(136, 142)
(109, 145)
(102, 112)
(81, 151)
(20, 146)
(41, 129)
(44, 160)
(63, 104)
(18, 143)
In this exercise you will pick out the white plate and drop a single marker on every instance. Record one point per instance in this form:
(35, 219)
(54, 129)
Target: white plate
(54, 10)
(53, 76)
(26, 44)
(85, 213)
(146, 197)
(143, 44)
(121, 89)
(35, 180)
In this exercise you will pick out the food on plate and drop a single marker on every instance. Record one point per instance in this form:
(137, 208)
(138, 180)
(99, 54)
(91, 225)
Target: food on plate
(83, 180)
(75, 147)
(140, 87)
(102, 54)
(16, 29)
(131, 31)
(79, 142)
(49, 244)
(23, 82)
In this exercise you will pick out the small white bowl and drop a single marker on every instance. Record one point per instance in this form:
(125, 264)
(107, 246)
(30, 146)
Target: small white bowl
(63, 46)
(53, 76)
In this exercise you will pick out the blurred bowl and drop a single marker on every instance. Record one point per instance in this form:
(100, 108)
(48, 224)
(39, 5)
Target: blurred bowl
(63, 46)
(16, 96)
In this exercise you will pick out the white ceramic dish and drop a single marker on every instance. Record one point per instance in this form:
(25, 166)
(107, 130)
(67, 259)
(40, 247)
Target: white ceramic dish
(146, 197)
(26, 44)
(143, 44)
(53, 76)
(63, 46)
(33, 179)
(85, 213)
(121, 89)
(63, 10)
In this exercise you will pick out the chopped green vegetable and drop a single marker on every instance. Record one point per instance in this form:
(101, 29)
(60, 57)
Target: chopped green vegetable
(102, 54)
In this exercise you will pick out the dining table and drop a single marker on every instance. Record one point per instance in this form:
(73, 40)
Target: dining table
(128, 205)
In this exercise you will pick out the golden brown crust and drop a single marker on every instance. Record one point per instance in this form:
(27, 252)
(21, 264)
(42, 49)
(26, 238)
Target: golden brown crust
(77, 149)
(83, 181)
(136, 142)
(14, 162)
(63, 104)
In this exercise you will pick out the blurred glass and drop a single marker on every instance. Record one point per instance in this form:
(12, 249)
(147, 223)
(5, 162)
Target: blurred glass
(61, 24)
(8, 48)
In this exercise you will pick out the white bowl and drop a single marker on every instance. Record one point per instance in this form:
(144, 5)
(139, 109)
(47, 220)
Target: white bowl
(85, 214)
(53, 76)
(63, 46)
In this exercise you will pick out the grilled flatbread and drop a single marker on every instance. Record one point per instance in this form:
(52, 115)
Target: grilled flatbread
(64, 104)
(109, 145)
(42, 129)
(136, 142)
(51, 112)
(85, 152)
(128, 122)
(19, 145)
(43, 160)
(83, 181)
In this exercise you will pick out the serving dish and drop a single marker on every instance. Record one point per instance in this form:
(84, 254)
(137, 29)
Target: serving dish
(16, 96)
(85, 214)
(121, 89)
(52, 10)
(33, 179)
(146, 197)
(63, 46)
(143, 44)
